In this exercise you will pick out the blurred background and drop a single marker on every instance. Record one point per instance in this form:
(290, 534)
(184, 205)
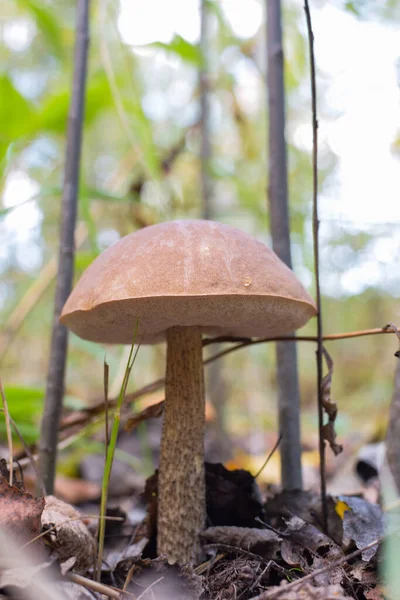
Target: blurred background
(141, 165)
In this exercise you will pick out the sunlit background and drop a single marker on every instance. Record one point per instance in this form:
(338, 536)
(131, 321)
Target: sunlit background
(140, 165)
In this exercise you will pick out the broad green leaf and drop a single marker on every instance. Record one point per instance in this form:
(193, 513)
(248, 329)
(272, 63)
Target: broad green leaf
(25, 405)
(180, 47)
(54, 109)
(16, 114)
(49, 28)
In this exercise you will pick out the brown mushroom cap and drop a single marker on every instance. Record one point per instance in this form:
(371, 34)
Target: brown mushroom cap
(186, 273)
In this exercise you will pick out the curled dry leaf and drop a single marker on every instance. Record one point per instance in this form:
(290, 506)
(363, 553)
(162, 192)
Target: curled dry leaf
(71, 537)
(259, 541)
(151, 412)
(362, 523)
(330, 407)
(20, 517)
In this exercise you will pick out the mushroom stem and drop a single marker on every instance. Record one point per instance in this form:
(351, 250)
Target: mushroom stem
(181, 479)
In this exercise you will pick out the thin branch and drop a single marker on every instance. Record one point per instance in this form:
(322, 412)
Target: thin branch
(274, 449)
(316, 267)
(86, 415)
(59, 341)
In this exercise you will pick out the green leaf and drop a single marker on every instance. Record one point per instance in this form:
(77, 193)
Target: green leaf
(25, 405)
(50, 29)
(15, 114)
(180, 47)
(54, 109)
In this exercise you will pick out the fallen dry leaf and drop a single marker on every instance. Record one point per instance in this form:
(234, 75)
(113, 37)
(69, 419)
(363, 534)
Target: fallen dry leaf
(20, 515)
(263, 542)
(71, 537)
(362, 523)
(304, 539)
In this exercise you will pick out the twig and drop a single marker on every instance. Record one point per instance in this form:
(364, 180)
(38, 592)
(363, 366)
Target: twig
(269, 595)
(9, 435)
(302, 338)
(150, 587)
(316, 267)
(84, 416)
(95, 586)
(257, 580)
(278, 441)
(56, 373)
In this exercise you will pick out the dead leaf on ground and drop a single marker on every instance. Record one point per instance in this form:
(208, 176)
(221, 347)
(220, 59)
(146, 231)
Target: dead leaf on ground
(362, 523)
(20, 515)
(71, 537)
(263, 542)
(310, 549)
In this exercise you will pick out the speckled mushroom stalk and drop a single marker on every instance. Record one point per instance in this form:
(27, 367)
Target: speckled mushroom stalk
(181, 479)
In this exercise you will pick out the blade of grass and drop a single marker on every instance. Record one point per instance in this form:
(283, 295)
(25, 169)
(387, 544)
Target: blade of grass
(111, 451)
(106, 382)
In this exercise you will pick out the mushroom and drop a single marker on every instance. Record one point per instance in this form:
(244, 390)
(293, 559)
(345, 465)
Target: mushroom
(183, 279)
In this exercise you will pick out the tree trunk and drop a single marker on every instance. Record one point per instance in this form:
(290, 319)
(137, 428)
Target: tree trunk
(288, 387)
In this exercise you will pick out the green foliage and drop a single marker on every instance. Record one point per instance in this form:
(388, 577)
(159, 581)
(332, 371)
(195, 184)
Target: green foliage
(25, 406)
(47, 23)
(180, 47)
(15, 114)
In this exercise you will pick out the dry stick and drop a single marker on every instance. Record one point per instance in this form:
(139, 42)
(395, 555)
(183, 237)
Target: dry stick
(269, 595)
(316, 267)
(286, 354)
(98, 587)
(59, 341)
(274, 449)
(8, 429)
(98, 408)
